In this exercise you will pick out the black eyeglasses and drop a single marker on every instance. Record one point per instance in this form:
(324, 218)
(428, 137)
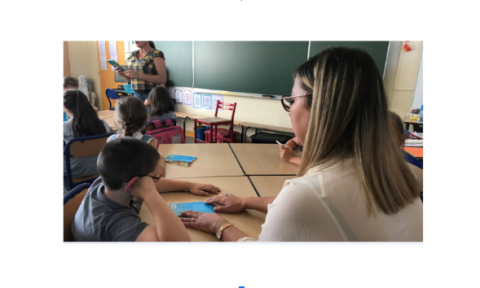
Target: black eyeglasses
(287, 101)
(154, 178)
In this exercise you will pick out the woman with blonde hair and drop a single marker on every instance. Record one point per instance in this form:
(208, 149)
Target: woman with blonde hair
(353, 183)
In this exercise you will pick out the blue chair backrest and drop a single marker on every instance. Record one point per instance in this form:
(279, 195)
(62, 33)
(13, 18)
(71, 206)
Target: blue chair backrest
(71, 201)
(72, 193)
(94, 151)
(111, 94)
(414, 161)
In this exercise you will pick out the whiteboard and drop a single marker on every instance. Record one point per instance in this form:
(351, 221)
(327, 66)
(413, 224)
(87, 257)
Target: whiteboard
(417, 101)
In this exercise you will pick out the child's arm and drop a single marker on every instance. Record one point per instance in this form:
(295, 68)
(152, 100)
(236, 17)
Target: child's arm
(171, 185)
(168, 227)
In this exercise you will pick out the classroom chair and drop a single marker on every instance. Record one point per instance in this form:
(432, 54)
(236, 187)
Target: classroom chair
(71, 202)
(111, 94)
(414, 161)
(83, 147)
(213, 122)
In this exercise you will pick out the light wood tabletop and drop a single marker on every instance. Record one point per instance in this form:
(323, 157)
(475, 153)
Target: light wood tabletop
(262, 159)
(181, 114)
(249, 221)
(111, 123)
(268, 186)
(212, 160)
(105, 114)
(269, 127)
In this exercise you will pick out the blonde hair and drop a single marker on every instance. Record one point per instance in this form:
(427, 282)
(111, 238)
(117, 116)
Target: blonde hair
(349, 120)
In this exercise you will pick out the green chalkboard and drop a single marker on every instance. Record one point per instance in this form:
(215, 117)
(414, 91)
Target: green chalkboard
(263, 67)
(377, 49)
(178, 59)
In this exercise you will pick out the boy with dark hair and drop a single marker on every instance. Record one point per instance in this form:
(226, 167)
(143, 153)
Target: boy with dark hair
(129, 169)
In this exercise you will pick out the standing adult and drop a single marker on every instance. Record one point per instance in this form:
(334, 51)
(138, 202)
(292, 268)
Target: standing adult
(145, 69)
(353, 184)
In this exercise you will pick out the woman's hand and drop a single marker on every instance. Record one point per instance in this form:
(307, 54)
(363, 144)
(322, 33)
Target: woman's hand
(227, 204)
(206, 222)
(120, 72)
(146, 102)
(203, 189)
(286, 153)
(132, 73)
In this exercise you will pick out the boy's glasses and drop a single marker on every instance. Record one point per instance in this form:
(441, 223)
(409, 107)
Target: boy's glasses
(154, 178)
(287, 101)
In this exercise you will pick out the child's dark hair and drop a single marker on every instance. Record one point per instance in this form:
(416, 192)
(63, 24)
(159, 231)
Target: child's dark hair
(70, 82)
(160, 102)
(123, 158)
(132, 113)
(396, 124)
(85, 121)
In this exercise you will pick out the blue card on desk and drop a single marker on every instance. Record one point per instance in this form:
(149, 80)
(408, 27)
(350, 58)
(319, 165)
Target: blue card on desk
(194, 206)
(180, 158)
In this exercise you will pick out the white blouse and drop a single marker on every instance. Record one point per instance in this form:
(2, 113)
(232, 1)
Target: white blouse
(330, 205)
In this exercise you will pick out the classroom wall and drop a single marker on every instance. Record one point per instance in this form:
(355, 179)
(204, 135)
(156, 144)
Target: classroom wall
(418, 93)
(107, 77)
(401, 75)
(84, 61)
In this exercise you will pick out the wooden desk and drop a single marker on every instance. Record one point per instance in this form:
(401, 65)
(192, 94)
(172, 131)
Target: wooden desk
(105, 114)
(262, 159)
(268, 186)
(181, 114)
(212, 160)
(409, 121)
(249, 221)
(111, 124)
(248, 125)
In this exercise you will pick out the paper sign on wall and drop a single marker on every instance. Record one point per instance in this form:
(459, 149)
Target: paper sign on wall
(216, 98)
(197, 100)
(171, 92)
(179, 96)
(187, 94)
(103, 55)
(113, 52)
(207, 101)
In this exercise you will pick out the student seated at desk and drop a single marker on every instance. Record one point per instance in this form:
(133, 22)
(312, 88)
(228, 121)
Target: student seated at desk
(70, 83)
(353, 184)
(129, 171)
(286, 151)
(83, 122)
(160, 104)
(130, 117)
(135, 114)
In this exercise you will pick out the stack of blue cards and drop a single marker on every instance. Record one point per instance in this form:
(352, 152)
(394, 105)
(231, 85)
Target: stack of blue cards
(193, 206)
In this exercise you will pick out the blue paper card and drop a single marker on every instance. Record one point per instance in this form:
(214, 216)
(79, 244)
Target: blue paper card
(194, 206)
(180, 158)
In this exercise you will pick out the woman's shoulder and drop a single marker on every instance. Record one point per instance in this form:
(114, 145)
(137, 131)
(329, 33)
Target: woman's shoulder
(158, 53)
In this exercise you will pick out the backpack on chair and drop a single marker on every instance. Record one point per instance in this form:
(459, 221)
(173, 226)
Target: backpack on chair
(165, 131)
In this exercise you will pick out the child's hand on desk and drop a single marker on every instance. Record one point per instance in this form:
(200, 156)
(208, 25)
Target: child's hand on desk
(227, 204)
(203, 189)
(286, 153)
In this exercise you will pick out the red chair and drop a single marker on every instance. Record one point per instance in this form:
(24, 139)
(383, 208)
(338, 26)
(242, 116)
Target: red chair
(213, 122)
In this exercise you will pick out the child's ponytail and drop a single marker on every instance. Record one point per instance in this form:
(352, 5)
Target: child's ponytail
(132, 114)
